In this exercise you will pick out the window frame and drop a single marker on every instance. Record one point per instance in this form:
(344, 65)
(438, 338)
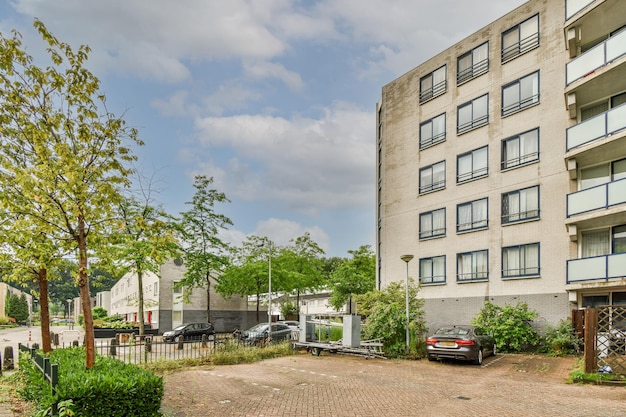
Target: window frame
(523, 102)
(425, 189)
(432, 279)
(505, 214)
(435, 90)
(522, 160)
(474, 123)
(479, 224)
(434, 139)
(522, 270)
(431, 233)
(476, 69)
(473, 173)
(474, 275)
(522, 45)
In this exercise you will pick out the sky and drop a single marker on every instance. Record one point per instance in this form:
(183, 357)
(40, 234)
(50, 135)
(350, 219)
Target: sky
(273, 99)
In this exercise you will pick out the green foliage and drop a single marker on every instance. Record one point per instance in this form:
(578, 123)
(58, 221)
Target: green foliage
(99, 313)
(301, 265)
(289, 308)
(385, 312)
(560, 340)
(353, 276)
(17, 307)
(511, 326)
(110, 388)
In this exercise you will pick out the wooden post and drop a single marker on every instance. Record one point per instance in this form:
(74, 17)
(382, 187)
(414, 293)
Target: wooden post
(591, 329)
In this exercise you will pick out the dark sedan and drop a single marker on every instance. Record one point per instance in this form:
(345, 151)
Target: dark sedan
(468, 343)
(189, 331)
(258, 335)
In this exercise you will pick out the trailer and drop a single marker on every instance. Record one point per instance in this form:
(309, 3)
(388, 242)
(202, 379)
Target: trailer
(349, 344)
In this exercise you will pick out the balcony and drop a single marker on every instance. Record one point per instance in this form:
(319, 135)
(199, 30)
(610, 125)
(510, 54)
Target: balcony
(598, 197)
(574, 6)
(603, 267)
(597, 127)
(597, 57)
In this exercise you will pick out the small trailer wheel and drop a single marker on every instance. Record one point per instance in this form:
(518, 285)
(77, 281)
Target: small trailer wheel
(316, 351)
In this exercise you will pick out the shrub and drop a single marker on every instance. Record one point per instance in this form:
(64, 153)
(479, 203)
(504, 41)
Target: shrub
(511, 326)
(561, 340)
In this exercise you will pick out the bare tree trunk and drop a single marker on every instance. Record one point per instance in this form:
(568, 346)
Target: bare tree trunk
(85, 298)
(208, 297)
(44, 312)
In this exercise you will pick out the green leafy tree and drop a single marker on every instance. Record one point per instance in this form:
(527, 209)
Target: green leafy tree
(248, 274)
(352, 277)
(205, 254)
(511, 326)
(385, 312)
(64, 149)
(301, 264)
(18, 307)
(145, 240)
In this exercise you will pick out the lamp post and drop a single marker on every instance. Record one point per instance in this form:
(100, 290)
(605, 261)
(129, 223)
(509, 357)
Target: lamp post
(269, 292)
(407, 259)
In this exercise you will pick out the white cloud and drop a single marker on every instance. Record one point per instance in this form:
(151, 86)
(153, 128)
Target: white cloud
(281, 231)
(306, 163)
(264, 69)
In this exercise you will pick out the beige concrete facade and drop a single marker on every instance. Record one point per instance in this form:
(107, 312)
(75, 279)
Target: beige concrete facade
(529, 88)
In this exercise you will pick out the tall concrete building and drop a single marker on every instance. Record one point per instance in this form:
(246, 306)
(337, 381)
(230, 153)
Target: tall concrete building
(501, 166)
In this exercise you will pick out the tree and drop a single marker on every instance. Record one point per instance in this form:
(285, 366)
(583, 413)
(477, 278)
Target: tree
(64, 150)
(302, 265)
(248, 274)
(146, 240)
(353, 276)
(385, 312)
(204, 252)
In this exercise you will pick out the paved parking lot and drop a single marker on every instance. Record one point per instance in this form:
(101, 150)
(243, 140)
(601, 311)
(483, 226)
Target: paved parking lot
(335, 385)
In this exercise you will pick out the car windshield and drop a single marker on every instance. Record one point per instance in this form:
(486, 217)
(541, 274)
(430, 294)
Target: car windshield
(452, 331)
(261, 327)
(181, 327)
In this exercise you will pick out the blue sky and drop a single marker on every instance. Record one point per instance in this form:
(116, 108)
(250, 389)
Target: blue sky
(274, 99)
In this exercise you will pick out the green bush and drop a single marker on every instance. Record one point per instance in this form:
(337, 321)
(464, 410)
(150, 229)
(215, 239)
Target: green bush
(560, 340)
(511, 326)
(110, 388)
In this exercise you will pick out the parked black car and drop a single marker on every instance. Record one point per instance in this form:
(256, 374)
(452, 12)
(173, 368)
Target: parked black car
(467, 343)
(258, 334)
(189, 331)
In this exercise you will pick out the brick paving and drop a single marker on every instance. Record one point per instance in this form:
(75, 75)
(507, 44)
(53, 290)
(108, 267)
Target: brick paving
(335, 385)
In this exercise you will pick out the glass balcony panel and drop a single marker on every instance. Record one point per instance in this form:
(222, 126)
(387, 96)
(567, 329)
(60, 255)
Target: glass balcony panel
(586, 200)
(617, 192)
(586, 269)
(586, 63)
(590, 129)
(617, 265)
(616, 46)
(574, 6)
(616, 118)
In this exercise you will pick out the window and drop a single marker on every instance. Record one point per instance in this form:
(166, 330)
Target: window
(433, 223)
(156, 288)
(433, 270)
(472, 266)
(602, 106)
(473, 114)
(433, 177)
(473, 63)
(520, 261)
(602, 174)
(433, 84)
(472, 215)
(433, 131)
(604, 241)
(520, 205)
(177, 289)
(520, 39)
(520, 94)
(472, 165)
(521, 149)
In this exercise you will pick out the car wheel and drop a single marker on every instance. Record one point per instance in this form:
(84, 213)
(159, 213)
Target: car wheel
(479, 357)
(495, 350)
(178, 339)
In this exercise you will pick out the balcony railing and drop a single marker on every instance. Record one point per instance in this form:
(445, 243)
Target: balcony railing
(574, 6)
(603, 267)
(597, 127)
(599, 197)
(597, 57)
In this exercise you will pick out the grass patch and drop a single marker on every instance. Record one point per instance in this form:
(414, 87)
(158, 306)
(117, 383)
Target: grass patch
(578, 375)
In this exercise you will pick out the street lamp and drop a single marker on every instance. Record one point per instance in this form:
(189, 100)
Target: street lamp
(69, 309)
(269, 305)
(407, 259)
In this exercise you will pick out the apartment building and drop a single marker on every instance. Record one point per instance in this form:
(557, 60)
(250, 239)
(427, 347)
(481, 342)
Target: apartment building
(165, 306)
(501, 166)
